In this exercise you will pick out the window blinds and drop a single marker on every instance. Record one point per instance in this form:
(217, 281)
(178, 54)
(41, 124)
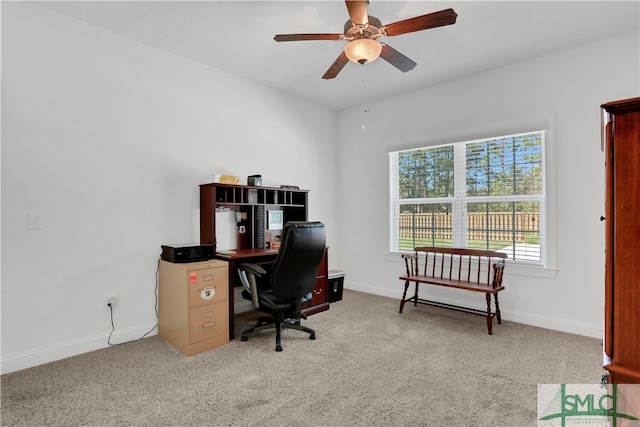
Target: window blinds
(484, 194)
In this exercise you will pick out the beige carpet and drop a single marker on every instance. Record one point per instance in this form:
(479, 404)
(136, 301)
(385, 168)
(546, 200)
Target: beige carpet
(369, 366)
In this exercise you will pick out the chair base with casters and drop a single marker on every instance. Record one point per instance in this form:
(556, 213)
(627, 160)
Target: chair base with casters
(288, 286)
(279, 323)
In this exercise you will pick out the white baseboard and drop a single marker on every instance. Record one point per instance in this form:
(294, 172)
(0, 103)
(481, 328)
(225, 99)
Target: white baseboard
(533, 319)
(29, 359)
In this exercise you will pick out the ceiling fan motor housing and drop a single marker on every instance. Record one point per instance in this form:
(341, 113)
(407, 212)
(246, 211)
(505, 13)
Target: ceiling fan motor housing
(371, 30)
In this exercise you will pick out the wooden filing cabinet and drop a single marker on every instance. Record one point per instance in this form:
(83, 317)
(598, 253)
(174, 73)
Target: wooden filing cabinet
(193, 305)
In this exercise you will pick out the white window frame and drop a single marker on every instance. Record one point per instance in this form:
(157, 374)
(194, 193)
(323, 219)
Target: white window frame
(546, 266)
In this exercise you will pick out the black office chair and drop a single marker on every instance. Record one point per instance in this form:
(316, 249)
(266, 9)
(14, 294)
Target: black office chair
(288, 285)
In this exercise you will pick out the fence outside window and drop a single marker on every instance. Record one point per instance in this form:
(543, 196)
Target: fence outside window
(503, 226)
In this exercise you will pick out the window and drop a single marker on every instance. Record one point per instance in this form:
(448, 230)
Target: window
(482, 194)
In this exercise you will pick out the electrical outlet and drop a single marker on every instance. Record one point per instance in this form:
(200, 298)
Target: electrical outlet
(112, 300)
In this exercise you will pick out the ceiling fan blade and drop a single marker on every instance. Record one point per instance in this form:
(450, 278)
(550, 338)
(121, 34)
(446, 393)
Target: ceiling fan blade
(358, 11)
(297, 37)
(419, 23)
(397, 59)
(336, 67)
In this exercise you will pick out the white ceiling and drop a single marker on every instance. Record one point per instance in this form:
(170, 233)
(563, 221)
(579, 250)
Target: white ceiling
(237, 37)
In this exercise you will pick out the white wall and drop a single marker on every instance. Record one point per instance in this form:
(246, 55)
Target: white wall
(108, 139)
(562, 91)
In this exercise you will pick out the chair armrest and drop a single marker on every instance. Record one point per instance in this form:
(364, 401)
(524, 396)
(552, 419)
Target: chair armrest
(249, 275)
(253, 268)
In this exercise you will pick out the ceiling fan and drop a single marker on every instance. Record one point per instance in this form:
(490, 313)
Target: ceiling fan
(362, 31)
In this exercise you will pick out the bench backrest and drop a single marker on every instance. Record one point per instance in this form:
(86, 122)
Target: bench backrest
(464, 265)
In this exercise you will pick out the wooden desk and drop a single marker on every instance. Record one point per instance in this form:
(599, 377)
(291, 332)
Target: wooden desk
(320, 301)
(253, 204)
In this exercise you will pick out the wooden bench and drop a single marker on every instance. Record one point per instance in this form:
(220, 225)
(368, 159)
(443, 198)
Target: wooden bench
(468, 269)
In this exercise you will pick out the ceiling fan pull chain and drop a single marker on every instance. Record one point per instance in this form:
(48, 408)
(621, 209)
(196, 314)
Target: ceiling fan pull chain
(364, 91)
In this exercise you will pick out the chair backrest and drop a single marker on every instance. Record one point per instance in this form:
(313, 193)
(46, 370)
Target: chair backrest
(295, 269)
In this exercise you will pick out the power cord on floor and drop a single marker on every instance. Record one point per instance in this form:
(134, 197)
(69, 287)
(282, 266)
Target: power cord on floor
(113, 327)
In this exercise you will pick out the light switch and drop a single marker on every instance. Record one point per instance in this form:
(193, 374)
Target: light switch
(34, 221)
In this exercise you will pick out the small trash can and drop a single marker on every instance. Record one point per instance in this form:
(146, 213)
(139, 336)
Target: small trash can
(336, 285)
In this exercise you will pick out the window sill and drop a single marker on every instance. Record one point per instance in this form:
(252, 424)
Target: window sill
(512, 268)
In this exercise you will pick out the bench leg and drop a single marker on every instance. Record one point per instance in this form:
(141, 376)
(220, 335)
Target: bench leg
(415, 296)
(489, 315)
(404, 295)
(495, 297)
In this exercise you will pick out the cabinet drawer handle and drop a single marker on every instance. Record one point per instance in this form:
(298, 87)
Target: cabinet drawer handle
(318, 292)
(208, 325)
(208, 313)
(205, 288)
(207, 277)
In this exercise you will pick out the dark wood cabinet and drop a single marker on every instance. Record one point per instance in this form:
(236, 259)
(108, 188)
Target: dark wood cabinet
(621, 135)
(254, 210)
(320, 295)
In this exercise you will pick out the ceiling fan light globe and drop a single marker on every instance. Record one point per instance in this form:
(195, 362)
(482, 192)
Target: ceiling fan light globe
(363, 51)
